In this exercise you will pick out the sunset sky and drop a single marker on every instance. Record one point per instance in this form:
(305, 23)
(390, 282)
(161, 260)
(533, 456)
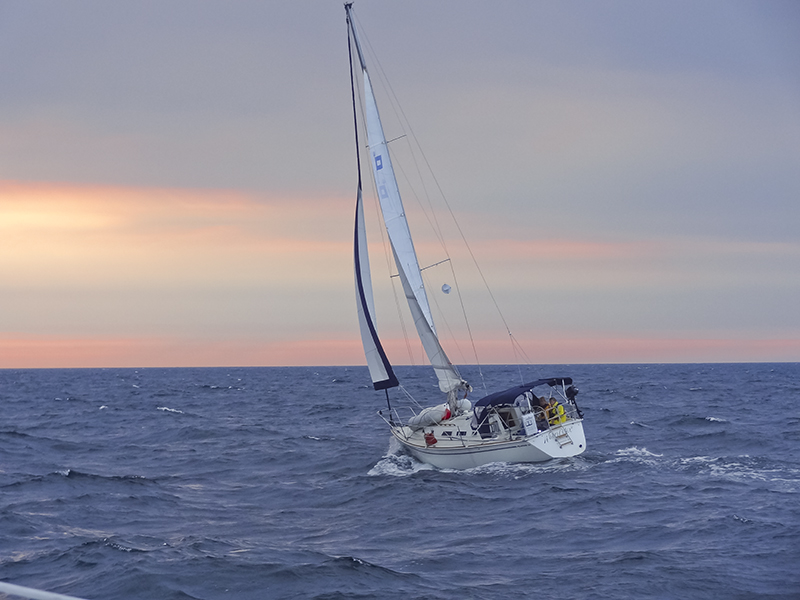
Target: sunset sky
(177, 178)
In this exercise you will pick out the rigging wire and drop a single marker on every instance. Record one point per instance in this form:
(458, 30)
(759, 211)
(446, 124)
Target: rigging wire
(515, 346)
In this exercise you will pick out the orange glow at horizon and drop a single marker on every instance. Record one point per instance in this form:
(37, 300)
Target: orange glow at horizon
(20, 352)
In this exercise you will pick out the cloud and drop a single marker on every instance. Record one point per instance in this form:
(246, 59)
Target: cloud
(116, 261)
(74, 235)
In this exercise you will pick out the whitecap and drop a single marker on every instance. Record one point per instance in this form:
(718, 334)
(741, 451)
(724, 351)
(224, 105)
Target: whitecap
(117, 546)
(716, 420)
(699, 459)
(522, 470)
(636, 451)
(168, 409)
(636, 455)
(398, 465)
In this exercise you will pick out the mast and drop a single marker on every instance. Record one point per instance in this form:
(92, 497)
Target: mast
(380, 369)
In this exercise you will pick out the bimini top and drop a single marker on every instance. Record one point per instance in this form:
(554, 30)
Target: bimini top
(508, 396)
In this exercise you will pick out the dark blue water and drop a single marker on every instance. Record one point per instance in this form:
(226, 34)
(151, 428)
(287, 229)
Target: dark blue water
(281, 483)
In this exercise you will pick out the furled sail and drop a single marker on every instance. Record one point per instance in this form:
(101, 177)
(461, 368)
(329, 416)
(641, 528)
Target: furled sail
(394, 218)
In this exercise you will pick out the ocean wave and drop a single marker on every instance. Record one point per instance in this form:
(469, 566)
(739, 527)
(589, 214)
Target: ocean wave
(745, 469)
(228, 500)
(353, 563)
(168, 409)
(72, 474)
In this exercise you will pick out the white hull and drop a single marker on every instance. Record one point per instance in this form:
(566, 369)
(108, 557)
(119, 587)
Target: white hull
(453, 451)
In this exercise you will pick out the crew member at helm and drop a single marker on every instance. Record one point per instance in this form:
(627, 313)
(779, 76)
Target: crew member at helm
(555, 412)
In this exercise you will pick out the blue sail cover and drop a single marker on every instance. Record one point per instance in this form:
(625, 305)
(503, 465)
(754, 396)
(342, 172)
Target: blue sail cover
(508, 396)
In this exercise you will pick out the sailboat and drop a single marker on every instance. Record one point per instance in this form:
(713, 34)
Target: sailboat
(529, 422)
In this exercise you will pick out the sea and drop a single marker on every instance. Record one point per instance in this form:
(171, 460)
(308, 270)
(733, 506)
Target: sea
(253, 483)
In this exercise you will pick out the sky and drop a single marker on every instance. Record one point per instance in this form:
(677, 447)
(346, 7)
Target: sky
(177, 179)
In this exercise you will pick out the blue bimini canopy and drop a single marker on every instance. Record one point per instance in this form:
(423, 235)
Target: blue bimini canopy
(508, 396)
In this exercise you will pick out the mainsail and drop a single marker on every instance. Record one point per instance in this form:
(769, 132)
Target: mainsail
(405, 255)
(379, 367)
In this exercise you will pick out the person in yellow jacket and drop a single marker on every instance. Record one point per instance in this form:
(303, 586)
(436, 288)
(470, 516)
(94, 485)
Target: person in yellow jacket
(540, 412)
(555, 412)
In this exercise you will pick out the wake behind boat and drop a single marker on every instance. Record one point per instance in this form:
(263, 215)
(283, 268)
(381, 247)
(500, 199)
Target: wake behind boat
(530, 422)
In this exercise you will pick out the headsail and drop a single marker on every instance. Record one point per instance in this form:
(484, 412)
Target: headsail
(446, 373)
(394, 217)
